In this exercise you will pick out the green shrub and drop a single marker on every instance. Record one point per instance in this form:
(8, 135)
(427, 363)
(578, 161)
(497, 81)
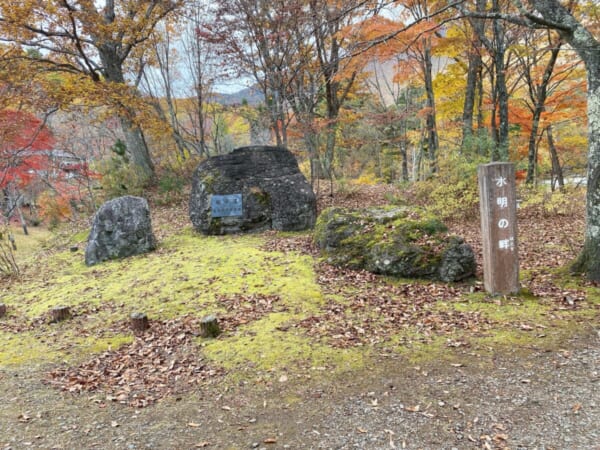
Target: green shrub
(119, 180)
(170, 187)
(452, 191)
(119, 177)
(563, 202)
(346, 188)
(8, 264)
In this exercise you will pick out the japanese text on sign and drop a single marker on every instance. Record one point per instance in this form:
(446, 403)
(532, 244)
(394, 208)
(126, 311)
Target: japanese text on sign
(508, 242)
(226, 205)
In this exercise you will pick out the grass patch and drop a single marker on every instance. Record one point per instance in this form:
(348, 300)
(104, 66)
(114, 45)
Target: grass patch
(186, 275)
(262, 346)
(499, 309)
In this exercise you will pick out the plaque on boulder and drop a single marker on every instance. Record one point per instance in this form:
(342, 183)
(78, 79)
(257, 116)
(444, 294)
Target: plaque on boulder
(121, 228)
(252, 189)
(226, 205)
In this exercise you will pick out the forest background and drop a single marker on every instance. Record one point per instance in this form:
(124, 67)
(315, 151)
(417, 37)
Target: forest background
(101, 99)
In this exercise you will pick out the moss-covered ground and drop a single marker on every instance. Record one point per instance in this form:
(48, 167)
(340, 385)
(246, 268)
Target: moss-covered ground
(294, 328)
(332, 320)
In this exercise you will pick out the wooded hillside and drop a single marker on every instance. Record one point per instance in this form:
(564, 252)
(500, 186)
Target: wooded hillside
(129, 89)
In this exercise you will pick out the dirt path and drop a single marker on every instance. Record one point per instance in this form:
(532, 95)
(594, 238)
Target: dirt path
(520, 399)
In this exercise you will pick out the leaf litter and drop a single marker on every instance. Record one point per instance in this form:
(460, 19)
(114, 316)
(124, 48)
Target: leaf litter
(162, 361)
(166, 360)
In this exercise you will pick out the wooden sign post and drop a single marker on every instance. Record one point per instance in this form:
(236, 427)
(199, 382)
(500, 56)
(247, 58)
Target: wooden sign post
(498, 202)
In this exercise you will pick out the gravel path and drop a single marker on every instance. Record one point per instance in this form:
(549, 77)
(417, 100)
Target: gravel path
(533, 399)
(548, 400)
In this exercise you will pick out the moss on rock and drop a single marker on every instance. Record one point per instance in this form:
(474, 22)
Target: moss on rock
(395, 241)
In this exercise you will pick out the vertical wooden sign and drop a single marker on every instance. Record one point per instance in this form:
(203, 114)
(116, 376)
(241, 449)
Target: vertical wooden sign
(498, 203)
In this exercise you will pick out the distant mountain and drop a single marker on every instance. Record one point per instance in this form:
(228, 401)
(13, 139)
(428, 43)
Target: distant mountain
(252, 95)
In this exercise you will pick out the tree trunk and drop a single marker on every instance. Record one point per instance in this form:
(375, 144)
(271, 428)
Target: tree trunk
(540, 95)
(22, 220)
(136, 145)
(557, 173)
(432, 137)
(473, 75)
(589, 260)
(137, 148)
(532, 148)
(493, 116)
(311, 141)
(501, 89)
(404, 162)
(469, 103)
(588, 48)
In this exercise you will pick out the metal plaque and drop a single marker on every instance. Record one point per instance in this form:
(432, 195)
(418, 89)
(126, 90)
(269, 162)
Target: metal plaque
(226, 205)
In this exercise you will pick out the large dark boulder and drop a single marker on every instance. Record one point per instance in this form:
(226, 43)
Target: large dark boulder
(395, 241)
(274, 194)
(121, 228)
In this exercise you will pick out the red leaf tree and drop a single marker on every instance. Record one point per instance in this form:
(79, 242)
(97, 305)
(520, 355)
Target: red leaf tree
(25, 142)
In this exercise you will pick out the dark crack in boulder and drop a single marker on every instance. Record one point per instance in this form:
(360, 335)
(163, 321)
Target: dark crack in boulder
(266, 180)
(121, 228)
(396, 241)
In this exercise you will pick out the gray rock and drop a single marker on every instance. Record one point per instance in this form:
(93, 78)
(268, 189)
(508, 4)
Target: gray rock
(458, 261)
(275, 195)
(121, 228)
(393, 241)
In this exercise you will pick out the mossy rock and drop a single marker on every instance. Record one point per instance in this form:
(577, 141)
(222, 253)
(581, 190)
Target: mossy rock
(397, 241)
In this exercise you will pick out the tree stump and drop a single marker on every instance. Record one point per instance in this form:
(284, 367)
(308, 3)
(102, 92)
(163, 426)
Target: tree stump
(139, 322)
(59, 314)
(209, 327)
(2, 309)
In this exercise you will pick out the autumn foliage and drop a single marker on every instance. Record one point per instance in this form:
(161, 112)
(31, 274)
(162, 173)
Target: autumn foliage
(24, 145)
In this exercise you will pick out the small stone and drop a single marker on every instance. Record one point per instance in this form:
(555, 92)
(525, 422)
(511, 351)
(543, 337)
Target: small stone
(139, 321)
(60, 313)
(209, 327)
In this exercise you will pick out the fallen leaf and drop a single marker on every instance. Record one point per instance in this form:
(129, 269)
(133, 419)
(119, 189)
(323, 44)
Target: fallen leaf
(391, 433)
